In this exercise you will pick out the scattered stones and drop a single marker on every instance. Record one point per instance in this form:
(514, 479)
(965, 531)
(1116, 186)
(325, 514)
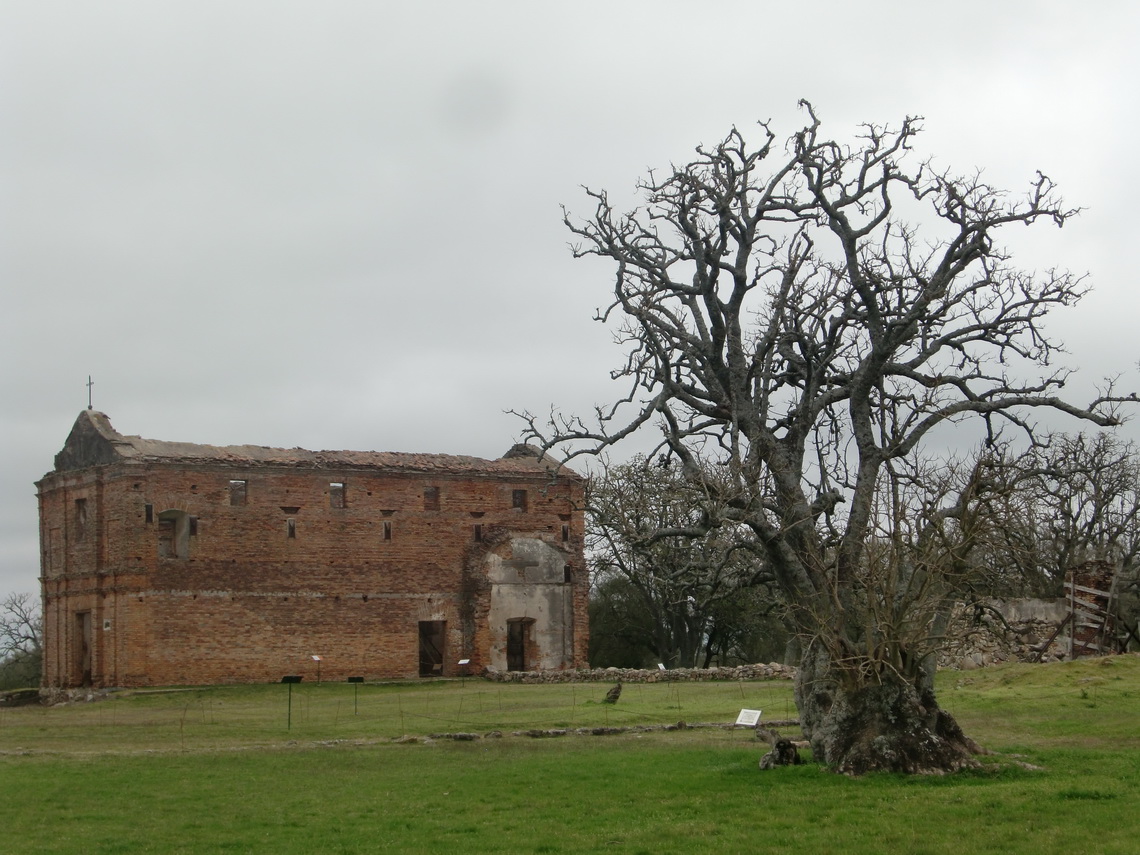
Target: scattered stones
(53, 696)
(771, 671)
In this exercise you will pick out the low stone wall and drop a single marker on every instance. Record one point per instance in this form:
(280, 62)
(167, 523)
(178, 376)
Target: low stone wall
(19, 697)
(771, 671)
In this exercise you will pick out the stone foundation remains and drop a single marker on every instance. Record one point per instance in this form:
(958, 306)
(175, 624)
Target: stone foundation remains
(771, 671)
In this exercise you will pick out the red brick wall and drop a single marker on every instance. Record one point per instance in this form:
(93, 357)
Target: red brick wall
(249, 603)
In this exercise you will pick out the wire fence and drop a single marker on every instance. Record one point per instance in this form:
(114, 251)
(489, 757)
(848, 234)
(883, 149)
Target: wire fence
(240, 715)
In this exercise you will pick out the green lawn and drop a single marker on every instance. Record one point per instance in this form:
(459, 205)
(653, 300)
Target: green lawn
(217, 770)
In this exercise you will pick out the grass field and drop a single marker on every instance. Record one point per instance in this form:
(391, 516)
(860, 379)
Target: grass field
(226, 770)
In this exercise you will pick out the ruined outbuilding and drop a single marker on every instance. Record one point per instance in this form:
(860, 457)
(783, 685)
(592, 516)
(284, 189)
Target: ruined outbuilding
(168, 563)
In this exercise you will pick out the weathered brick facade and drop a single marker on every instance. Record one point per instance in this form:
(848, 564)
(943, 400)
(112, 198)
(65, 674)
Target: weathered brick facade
(172, 563)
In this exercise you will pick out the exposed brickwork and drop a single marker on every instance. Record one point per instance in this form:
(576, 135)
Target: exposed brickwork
(335, 554)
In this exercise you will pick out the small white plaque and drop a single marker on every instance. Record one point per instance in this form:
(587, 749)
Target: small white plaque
(316, 658)
(749, 718)
(660, 667)
(464, 661)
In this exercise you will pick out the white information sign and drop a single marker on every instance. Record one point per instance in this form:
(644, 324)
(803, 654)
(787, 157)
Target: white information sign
(749, 718)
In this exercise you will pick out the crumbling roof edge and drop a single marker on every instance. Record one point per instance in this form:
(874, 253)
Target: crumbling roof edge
(94, 441)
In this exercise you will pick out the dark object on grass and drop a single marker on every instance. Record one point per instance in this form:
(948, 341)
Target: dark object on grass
(783, 753)
(613, 694)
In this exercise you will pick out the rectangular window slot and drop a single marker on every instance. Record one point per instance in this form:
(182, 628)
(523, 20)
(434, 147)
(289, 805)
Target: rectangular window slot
(518, 500)
(80, 519)
(478, 533)
(336, 494)
(565, 534)
(291, 526)
(431, 498)
(148, 510)
(193, 526)
(387, 529)
(239, 491)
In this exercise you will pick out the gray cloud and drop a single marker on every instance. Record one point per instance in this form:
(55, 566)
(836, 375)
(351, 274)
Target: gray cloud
(337, 225)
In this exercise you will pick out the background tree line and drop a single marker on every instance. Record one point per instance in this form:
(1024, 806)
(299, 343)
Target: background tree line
(692, 600)
(21, 635)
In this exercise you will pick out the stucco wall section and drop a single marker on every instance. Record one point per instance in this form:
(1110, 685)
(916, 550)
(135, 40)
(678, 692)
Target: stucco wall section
(534, 583)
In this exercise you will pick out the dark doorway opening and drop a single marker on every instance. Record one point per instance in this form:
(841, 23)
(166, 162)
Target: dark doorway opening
(520, 644)
(432, 643)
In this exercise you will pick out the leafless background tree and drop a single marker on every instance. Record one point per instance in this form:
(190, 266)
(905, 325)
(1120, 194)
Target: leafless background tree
(21, 633)
(1071, 498)
(649, 525)
(804, 316)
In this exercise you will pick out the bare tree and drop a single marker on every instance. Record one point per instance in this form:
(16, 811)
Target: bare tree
(681, 579)
(1078, 498)
(784, 315)
(21, 634)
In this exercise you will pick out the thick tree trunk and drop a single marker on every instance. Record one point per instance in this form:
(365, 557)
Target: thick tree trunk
(891, 725)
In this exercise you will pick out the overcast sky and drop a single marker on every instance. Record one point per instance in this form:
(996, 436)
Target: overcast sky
(336, 224)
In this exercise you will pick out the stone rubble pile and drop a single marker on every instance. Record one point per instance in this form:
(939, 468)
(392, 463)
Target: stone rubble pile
(1004, 631)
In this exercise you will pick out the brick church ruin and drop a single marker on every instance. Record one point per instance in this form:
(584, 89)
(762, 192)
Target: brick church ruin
(169, 563)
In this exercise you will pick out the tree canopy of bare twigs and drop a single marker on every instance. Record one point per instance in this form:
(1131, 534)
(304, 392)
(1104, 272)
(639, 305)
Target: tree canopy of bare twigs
(1071, 498)
(21, 633)
(805, 315)
(647, 524)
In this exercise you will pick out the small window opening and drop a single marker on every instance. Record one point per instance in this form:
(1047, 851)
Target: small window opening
(291, 526)
(336, 494)
(518, 500)
(80, 519)
(239, 491)
(478, 533)
(566, 576)
(565, 533)
(387, 529)
(174, 530)
(148, 510)
(431, 498)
